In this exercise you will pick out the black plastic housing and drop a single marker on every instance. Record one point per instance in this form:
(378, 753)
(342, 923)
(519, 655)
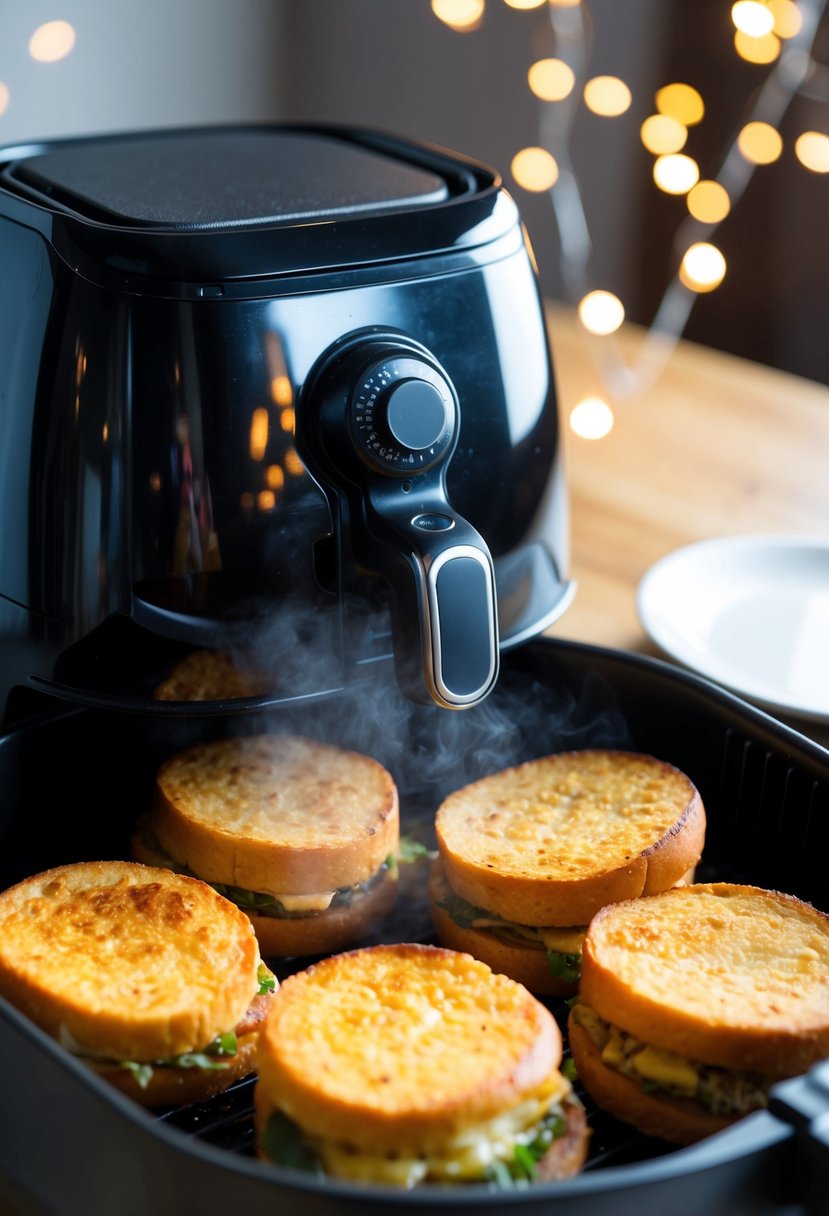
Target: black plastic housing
(163, 298)
(70, 1144)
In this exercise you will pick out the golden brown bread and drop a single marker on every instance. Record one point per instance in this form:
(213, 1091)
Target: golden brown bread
(276, 814)
(403, 1048)
(551, 841)
(212, 675)
(121, 961)
(726, 974)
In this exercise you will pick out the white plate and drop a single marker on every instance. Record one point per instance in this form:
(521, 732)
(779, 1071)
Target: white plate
(751, 613)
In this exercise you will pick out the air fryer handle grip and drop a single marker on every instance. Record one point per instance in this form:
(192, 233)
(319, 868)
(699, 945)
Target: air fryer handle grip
(444, 611)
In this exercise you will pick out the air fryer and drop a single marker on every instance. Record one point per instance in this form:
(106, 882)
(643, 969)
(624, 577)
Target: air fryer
(284, 391)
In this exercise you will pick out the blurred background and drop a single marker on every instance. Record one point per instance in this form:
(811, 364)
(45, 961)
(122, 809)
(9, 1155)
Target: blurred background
(608, 195)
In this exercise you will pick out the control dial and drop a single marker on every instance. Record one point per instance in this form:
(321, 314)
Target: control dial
(402, 416)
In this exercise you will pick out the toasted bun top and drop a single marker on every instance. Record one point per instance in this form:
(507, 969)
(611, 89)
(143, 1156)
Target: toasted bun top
(402, 1046)
(553, 840)
(124, 961)
(276, 813)
(724, 974)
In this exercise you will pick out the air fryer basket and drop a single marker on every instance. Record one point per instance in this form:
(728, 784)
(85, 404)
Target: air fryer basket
(73, 782)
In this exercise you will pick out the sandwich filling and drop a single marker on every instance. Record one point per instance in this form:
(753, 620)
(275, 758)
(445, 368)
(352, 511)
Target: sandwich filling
(265, 903)
(720, 1091)
(562, 944)
(213, 1056)
(505, 1150)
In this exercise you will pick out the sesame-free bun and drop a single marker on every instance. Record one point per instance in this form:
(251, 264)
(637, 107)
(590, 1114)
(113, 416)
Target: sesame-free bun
(526, 964)
(126, 962)
(551, 841)
(212, 675)
(729, 975)
(400, 1048)
(277, 814)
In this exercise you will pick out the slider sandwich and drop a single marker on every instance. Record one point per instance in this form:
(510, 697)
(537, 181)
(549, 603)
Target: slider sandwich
(300, 834)
(695, 1001)
(151, 978)
(528, 855)
(407, 1064)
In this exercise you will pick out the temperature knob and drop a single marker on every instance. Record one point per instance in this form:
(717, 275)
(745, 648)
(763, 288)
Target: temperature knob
(402, 416)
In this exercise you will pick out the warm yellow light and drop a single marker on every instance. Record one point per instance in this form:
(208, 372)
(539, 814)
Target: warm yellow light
(757, 50)
(592, 418)
(266, 500)
(812, 150)
(293, 463)
(275, 476)
(601, 312)
(281, 390)
(524, 3)
(675, 174)
(52, 41)
(607, 95)
(703, 267)
(287, 420)
(709, 202)
(788, 19)
(682, 102)
(258, 434)
(752, 17)
(760, 143)
(662, 134)
(155, 482)
(551, 79)
(534, 169)
(459, 14)
(4, 97)
(105, 432)
(565, 3)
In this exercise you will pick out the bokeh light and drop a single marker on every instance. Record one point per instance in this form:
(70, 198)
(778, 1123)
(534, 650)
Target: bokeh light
(459, 14)
(607, 96)
(565, 3)
(266, 500)
(675, 174)
(525, 3)
(592, 418)
(702, 267)
(275, 476)
(757, 50)
(682, 102)
(812, 150)
(551, 79)
(662, 134)
(708, 202)
(4, 97)
(259, 425)
(52, 41)
(760, 143)
(534, 169)
(601, 312)
(788, 19)
(752, 17)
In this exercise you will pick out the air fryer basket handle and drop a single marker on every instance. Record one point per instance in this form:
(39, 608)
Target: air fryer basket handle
(444, 604)
(804, 1103)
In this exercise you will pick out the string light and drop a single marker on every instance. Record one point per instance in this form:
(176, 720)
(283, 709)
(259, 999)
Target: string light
(534, 169)
(551, 79)
(752, 17)
(607, 95)
(812, 150)
(661, 134)
(461, 15)
(592, 418)
(772, 32)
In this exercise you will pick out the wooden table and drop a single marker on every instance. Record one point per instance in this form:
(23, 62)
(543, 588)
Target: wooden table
(716, 446)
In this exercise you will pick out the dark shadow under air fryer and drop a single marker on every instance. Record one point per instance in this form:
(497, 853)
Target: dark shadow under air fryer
(75, 780)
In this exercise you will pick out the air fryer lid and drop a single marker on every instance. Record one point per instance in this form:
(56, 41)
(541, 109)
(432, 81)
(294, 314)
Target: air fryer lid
(213, 179)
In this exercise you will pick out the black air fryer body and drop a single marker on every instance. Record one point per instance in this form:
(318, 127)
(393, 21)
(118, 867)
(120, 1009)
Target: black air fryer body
(285, 389)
